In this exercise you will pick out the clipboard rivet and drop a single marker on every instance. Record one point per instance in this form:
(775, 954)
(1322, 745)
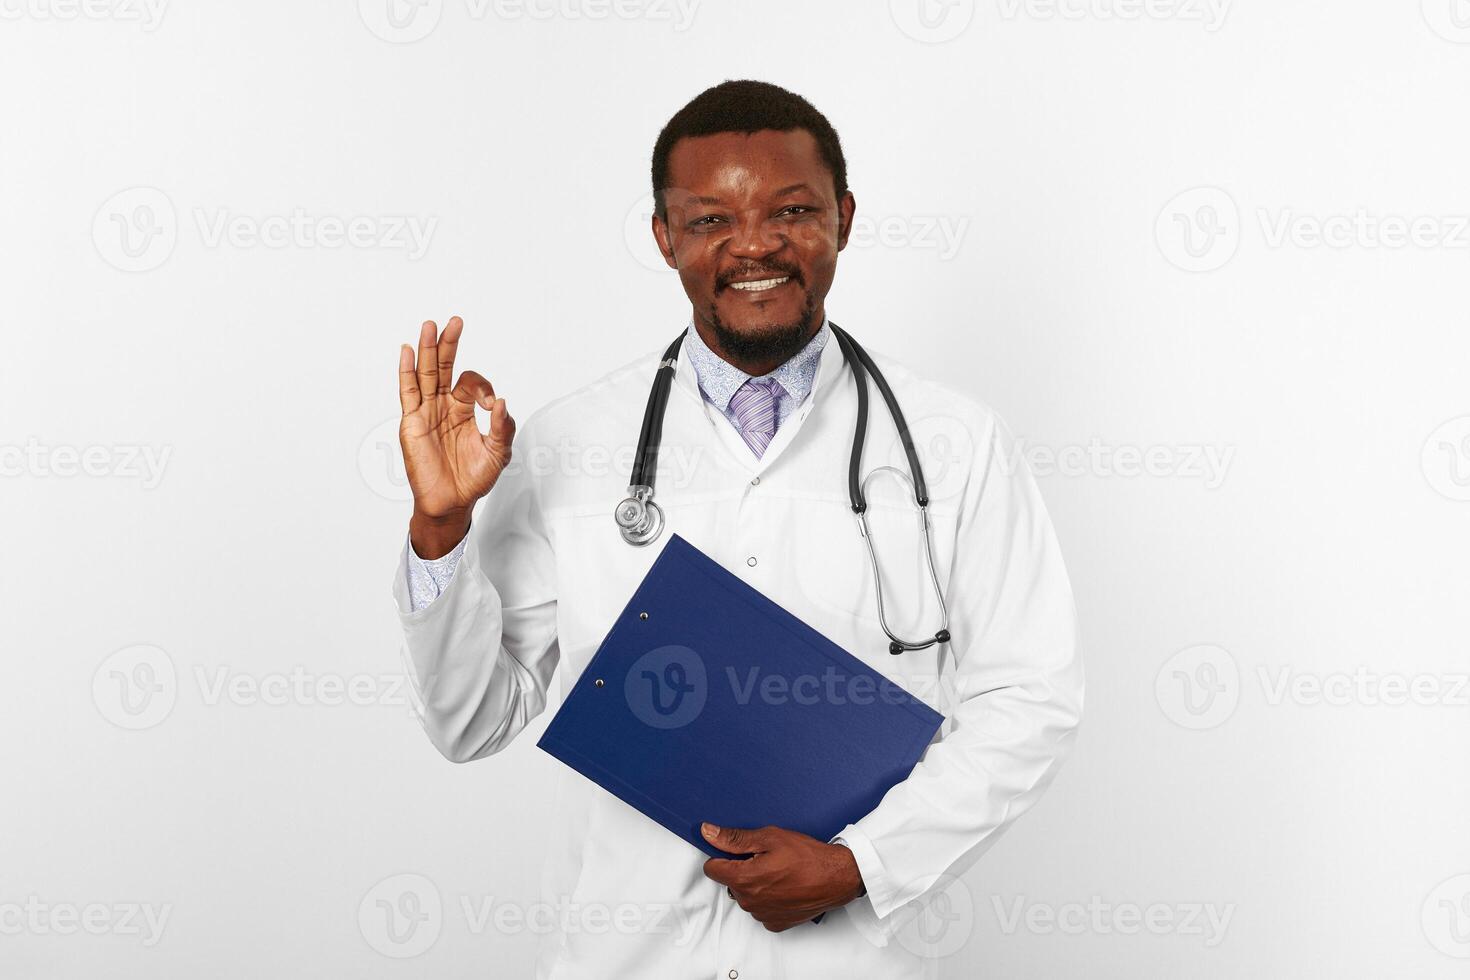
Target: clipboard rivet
(597, 683)
(643, 615)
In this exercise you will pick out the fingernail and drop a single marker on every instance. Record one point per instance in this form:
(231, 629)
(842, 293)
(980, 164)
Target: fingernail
(709, 830)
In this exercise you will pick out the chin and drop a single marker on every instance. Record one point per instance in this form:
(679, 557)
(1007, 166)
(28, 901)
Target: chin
(757, 325)
(760, 336)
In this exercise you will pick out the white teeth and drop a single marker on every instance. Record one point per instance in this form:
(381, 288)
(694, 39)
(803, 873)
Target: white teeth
(759, 284)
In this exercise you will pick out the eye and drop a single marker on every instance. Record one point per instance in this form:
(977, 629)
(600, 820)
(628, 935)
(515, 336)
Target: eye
(705, 221)
(796, 209)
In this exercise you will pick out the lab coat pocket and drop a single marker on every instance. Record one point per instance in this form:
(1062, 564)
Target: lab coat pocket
(596, 574)
(833, 573)
(840, 579)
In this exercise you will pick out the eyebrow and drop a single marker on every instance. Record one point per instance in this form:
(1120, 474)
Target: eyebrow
(783, 192)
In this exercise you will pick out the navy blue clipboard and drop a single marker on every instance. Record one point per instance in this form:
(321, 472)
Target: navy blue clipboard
(708, 701)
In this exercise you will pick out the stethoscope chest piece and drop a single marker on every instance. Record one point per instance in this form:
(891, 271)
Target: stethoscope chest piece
(639, 518)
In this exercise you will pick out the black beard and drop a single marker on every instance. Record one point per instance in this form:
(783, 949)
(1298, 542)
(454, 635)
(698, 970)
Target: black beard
(779, 343)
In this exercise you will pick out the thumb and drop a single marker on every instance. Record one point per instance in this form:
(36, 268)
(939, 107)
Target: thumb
(502, 425)
(735, 840)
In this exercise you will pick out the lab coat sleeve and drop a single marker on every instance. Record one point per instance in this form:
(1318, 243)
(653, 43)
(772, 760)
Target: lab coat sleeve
(1017, 693)
(481, 655)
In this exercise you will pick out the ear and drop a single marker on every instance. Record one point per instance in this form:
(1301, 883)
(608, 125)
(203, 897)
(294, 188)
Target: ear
(664, 240)
(845, 211)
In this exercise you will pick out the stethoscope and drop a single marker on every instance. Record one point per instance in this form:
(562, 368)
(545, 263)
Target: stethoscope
(641, 520)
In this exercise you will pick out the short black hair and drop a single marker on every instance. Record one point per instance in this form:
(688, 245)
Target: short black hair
(746, 106)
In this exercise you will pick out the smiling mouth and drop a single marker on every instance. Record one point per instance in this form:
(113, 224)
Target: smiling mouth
(760, 285)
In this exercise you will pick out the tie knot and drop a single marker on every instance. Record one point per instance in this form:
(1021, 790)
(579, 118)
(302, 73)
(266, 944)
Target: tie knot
(754, 407)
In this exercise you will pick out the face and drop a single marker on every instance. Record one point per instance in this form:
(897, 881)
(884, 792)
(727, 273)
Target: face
(753, 226)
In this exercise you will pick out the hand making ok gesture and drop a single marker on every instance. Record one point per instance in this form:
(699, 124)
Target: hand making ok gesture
(450, 462)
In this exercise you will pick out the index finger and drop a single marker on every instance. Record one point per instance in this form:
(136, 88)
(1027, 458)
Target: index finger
(727, 871)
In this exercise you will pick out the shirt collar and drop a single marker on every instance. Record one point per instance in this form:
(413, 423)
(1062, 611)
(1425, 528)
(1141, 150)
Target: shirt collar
(719, 379)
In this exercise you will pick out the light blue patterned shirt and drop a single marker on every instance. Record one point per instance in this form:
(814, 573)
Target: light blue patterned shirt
(718, 382)
(719, 379)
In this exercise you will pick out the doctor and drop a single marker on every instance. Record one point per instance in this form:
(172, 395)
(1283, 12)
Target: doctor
(752, 209)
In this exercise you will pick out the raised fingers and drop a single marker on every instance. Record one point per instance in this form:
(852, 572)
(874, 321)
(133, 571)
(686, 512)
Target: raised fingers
(428, 359)
(448, 344)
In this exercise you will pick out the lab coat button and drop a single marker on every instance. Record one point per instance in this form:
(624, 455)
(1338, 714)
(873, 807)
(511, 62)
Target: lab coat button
(755, 481)
(734, 975)
(750, 561)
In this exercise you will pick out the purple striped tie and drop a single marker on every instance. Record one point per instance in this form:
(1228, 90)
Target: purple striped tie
(754, 406)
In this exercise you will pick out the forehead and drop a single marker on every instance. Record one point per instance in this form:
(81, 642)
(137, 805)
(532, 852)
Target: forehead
(746, 164)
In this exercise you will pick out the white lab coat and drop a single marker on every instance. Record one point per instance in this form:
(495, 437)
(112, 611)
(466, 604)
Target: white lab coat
(545, 573)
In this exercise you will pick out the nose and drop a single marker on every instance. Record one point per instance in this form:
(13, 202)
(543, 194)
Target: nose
(756, 236)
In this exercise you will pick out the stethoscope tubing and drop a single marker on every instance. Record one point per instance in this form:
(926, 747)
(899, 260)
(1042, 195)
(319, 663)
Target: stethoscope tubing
(645, 460)
(863, 364)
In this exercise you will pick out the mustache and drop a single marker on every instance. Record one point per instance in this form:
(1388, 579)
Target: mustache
(766, 271)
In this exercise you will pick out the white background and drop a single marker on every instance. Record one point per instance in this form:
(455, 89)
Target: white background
(1054, 144)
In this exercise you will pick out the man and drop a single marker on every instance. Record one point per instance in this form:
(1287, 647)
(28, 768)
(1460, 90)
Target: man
(752, 209)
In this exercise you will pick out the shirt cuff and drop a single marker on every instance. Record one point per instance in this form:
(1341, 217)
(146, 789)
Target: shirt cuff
(875, 880)
(860, 911)
(839, 840)
(429, 577)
